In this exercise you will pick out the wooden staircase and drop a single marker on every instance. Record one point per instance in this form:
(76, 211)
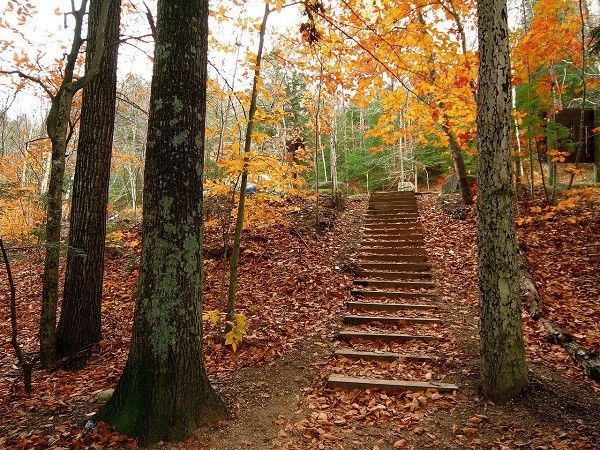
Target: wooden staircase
(394, 290)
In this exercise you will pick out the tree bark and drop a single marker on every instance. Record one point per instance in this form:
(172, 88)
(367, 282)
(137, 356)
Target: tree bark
(459, 167)
(164, 392)
(239, 224)
(529, 293)
(57, 124)
(333, 158)
(504, 369)
(587, 360)
(80, 319)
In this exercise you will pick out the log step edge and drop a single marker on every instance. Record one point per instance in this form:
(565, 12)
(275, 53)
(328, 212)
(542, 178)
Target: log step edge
(380, 356)
(355, 319)
(391, 307)
(386, 337)
(340, 381)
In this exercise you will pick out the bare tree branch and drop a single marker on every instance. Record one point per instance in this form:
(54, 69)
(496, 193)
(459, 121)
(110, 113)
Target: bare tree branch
(31, 78)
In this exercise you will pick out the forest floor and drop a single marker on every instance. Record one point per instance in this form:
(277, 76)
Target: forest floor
(292, 287)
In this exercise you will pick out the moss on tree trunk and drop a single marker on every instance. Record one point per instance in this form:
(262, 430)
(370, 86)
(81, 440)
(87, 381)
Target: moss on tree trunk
(164, 392)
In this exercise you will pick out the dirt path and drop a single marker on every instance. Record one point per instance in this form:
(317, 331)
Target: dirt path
(268, 397)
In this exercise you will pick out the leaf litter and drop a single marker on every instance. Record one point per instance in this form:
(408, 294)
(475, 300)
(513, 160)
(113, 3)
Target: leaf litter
(292, 288)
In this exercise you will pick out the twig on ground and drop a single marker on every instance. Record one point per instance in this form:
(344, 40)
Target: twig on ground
(300, 236)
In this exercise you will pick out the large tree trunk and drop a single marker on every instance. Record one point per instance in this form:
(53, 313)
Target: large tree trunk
(80, 318)
(504, 369)
(164, 392)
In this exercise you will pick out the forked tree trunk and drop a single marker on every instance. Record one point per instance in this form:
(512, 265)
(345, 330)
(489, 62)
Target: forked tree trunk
(459, 167)
(57, 124)
(80, 320)
(504, 370)
(164, 392)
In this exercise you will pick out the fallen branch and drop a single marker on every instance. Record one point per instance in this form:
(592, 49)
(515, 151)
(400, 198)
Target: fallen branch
(300, 236)
(530, 296)
(587, 359)
(25, 364)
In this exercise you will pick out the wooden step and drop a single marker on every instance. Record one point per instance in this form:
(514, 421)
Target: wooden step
(392, 235)
(395, 218)
(400, 250)
(384, 213)
(389, 307)
(380, 194)
(398, 210)
(378, 215)
(385, 337)
(396, 222)
(394, 275)
(398, 231)
(380, 206)
(392, 204)
(393, 258)
(396, 227)
(396, 267)
(387, 201)
(396, 192)
(340, 381)
(391, 294)
(394, 284)
(388, 198)
(379, 356)
(358, 320)
(392, 198)
(393, 243)
(392, 251)
(387, 237)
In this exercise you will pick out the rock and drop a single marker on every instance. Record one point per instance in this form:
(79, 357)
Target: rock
(105, 395)
(406, 186)
(450, 186)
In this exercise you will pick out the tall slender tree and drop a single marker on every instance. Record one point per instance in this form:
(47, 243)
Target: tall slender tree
(239, 224)
(504, 369)
(57, 125)
(164, 392)
(80, 318)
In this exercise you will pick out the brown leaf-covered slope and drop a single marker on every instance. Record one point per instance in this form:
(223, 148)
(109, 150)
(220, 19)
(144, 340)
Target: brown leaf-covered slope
(293, 284)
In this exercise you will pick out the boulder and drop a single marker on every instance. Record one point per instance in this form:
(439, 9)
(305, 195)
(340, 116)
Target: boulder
(450, 186)
(406, 186)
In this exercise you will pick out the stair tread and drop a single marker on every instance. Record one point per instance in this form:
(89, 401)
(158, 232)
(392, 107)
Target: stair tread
(386, 337)
(392, 294)
(380, 306)
(342, 381)
(385, 356)
(355, 318)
